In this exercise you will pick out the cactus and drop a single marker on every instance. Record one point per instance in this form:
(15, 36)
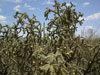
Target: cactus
(30, 48)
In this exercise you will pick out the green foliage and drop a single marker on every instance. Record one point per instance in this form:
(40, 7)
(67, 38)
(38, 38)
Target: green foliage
(28, 48)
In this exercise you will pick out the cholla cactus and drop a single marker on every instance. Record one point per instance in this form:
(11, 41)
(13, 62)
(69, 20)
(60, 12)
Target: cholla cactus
(25, 51)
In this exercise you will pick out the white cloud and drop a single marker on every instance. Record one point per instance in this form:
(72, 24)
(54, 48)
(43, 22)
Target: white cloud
(49, 2)
(88, 27)
(86, 4)
(15, 1)
(80, 18)
(87, 31)
(68, 4)
(16, 8)
(28, 6)
(95, 16)
(0, 10)
(31, 8)
(3, 19)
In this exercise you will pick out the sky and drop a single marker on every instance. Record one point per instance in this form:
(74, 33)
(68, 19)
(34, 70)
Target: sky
(90, 9)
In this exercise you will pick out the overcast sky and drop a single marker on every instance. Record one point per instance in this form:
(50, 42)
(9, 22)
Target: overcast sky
(90, 8)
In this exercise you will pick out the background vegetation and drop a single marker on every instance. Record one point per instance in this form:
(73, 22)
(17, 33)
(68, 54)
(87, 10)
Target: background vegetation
(48, 50)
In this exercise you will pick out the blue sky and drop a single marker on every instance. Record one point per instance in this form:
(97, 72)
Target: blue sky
(90, 9)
